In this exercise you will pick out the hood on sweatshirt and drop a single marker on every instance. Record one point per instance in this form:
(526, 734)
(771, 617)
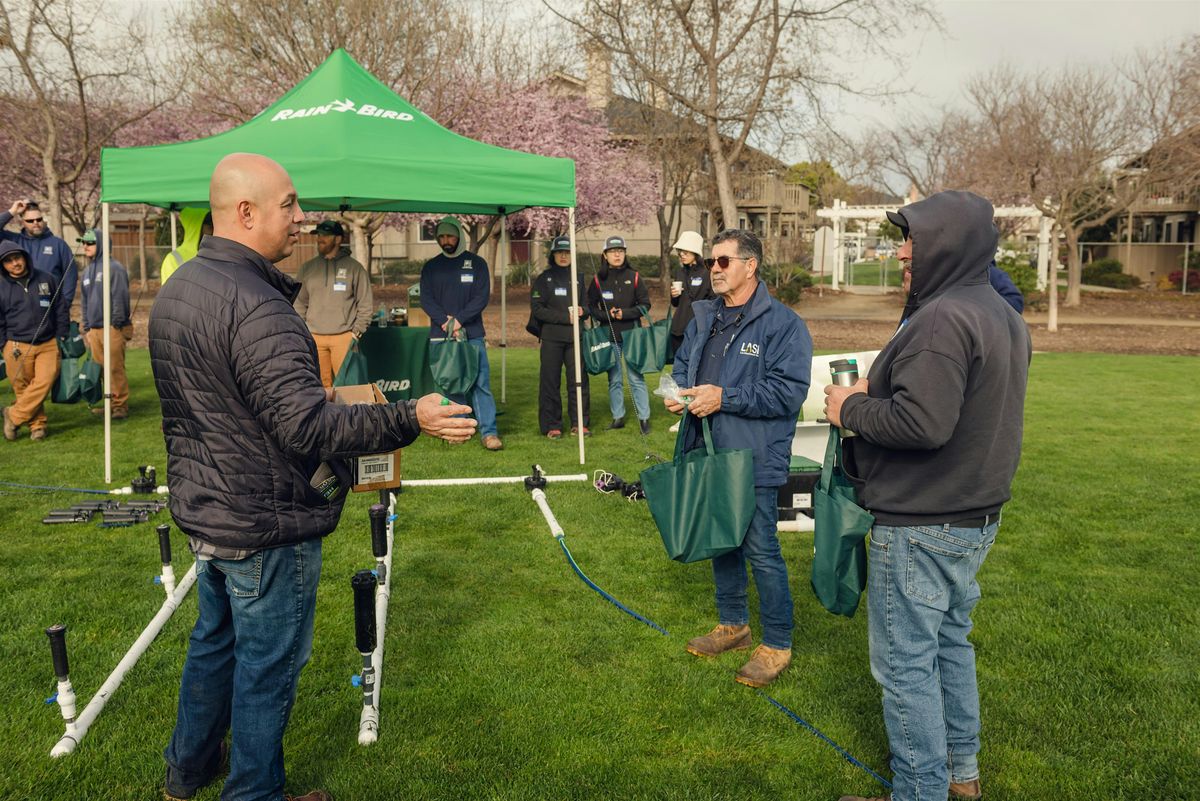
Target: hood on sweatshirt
(953, 239)
(8, 247)
(462, 240)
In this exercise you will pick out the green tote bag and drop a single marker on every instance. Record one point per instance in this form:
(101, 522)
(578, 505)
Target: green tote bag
(840, 526)
(599, 355)
(72, 345)
(353, 371)
(703, 500)
(91, 380)
(645, 347)
(455, 366)
(66, 386)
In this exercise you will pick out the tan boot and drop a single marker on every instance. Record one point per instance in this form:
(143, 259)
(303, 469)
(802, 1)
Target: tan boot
(864, 798)
(721, 639)
(315, 795)
(10, 431)
(966, 791)
(764, 666)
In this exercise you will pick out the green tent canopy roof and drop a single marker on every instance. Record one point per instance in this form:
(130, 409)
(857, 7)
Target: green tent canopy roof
(348, 142)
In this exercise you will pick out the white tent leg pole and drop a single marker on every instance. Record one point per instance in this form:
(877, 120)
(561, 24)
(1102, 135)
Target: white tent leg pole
(106, 288)
(502, 257)
(174, 236)
(472, 482)
(76, 731)
(575, 336)
(368, 721)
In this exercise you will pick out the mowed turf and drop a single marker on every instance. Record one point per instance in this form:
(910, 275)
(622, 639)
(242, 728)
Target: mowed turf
(507, 678)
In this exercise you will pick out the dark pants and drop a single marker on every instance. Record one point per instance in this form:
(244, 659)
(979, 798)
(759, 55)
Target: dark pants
(556, 356)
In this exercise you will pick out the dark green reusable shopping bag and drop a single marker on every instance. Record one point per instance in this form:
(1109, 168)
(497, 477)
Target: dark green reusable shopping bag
(599, 355)
(455, 366)
(645, 347)
(91, 380)
(840, 526)
(354, 368)
(72, 346)
(66, 386)
(703, 500)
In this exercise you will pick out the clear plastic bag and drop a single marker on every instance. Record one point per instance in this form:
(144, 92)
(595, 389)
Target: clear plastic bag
(667, 388)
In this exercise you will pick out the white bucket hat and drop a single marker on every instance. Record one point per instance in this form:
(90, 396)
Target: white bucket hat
(691, 242)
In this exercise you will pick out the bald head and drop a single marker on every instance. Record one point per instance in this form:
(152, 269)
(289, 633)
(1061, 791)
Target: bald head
(254, 203)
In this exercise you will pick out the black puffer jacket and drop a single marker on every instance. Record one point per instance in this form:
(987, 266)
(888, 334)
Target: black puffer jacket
(244, 413)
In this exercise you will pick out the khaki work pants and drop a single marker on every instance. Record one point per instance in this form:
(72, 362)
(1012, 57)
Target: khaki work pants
(120, 382)
(331, 352)
(32, 376)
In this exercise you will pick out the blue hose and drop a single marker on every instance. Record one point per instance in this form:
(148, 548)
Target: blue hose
(53, 489)
(604, 594)
(845, 754)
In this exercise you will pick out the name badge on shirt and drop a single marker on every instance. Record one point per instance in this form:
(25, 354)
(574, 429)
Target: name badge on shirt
(339, 286)
(87, 282)
(466, 278)
(607, 294)
(561, 291)
(697, 280)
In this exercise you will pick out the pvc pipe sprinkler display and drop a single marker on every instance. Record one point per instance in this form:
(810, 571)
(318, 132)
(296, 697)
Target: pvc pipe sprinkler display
(77, 728)
(471, 482)
(369, 632)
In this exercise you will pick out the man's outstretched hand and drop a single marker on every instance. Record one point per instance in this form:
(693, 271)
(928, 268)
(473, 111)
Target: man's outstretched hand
(438, 420)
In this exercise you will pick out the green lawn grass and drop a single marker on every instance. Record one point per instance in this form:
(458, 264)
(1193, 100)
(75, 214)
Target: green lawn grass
(867, 273)
(506, 678)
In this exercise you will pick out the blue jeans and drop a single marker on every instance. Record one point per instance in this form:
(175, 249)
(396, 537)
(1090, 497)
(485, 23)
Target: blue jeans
(482, 402)
(921, 589)
(253, 635)
(761, 550)
(616, 389)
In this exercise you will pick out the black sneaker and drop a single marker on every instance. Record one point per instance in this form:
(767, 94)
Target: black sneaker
(645, 424)
(618, 422)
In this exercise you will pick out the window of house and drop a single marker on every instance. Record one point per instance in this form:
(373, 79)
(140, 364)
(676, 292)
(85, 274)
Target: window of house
(428, 231)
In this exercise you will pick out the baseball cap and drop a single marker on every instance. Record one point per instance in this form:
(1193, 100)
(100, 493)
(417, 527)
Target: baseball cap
(88, 238)
(897, 219)
(330, 228)
(614, 243)
(560, 243)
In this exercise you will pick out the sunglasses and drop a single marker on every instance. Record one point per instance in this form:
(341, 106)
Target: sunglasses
(722, 261)
(35, 220)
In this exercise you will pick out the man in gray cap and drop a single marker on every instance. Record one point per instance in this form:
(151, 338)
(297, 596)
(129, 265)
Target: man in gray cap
(335, 298)
(552, 313)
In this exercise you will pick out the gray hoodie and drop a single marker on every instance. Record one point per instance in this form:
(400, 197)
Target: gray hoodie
(939, 431)
(335, 294)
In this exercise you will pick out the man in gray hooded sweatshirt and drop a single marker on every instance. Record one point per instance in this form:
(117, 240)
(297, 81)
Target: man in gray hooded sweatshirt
(335, 298)
(939, 423)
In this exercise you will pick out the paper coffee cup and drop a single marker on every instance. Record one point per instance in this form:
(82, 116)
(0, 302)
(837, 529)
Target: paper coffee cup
(677, 286)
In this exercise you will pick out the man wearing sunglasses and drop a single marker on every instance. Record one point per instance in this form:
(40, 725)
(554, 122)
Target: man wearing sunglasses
(50, 254)
(744, 364)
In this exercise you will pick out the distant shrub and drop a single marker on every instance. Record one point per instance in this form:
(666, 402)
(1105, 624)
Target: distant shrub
(1107, 272)
(1193, 280)
(1020, 269)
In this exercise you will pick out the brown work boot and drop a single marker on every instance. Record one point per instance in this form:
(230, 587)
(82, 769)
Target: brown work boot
(864, 798)
(10, 431)
(966, 791)
(765, 665)
(315, 795)
(37, 434)
(492, 442)
(721, 639)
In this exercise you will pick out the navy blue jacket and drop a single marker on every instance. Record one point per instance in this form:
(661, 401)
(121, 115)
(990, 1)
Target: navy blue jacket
(455, 287)
(28, 310)
(50, 255)
(1002, 283)
(764, 379)
(92, 287)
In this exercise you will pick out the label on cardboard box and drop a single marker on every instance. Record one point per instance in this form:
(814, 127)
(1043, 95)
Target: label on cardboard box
(377, 470)
(374, 468)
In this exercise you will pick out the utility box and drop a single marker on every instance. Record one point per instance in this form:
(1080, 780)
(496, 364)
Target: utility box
(374, 471)
(796, 495)
(417, 318)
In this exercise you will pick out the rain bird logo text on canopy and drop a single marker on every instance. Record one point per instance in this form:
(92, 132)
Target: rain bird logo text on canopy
(341, 106)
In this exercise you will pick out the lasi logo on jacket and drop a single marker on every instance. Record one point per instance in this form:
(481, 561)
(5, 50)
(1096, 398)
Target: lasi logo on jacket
(749, 349)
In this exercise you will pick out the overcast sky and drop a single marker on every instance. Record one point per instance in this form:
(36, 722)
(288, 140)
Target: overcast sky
(1045, 35)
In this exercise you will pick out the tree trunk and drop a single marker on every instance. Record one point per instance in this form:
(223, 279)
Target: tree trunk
(358, 243)
(1074, 266)
(716, 152)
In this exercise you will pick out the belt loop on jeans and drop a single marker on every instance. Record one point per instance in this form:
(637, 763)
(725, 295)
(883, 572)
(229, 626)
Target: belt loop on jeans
(976, 522)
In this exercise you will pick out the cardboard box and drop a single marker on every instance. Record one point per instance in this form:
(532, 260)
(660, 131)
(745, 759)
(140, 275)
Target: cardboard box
(374, 471)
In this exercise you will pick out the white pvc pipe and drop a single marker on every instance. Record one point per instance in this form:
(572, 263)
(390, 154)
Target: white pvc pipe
(76, 731)
(466, 482)
(801, 523)
(539, 498)
(368, 721)
(575, 337)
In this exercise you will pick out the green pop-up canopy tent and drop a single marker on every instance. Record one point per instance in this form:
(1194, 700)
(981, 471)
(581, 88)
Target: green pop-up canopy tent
(349, 143)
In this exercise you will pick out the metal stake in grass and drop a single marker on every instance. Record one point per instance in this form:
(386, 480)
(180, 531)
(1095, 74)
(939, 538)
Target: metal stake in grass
(77, 728)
